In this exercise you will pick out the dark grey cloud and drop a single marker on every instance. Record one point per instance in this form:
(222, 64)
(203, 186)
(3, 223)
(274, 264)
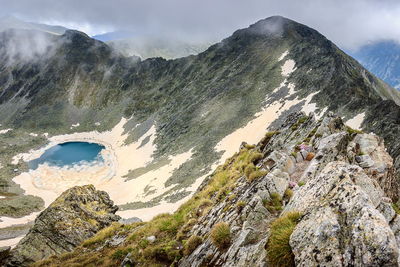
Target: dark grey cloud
(349, 23)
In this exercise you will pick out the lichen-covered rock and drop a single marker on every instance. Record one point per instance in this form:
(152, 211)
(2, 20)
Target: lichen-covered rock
(342, 226)
(376, 161)
(347, 218)
(73, 217)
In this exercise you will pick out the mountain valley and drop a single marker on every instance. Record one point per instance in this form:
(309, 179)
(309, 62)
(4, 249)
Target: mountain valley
(166, 126)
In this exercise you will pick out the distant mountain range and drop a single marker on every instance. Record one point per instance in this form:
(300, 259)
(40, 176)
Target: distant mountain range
(145, 46)
(148, 47)
(112, 36)
(382, 59)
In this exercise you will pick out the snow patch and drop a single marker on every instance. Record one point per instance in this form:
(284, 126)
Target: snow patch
(5, 131)
(284, 54)
(356, 122)
(74, 125)
(8, 221)
(12, 242)
(254, 130)
(288, 67)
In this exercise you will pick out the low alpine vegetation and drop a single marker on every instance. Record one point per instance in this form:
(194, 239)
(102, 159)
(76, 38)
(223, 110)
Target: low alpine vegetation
(221, 235)
(274, 204)
(256, 174)
(191, 244)
(278, 248)
(288, 194)
(240, 205)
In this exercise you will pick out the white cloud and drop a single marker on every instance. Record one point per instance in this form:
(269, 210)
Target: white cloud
(347, 23)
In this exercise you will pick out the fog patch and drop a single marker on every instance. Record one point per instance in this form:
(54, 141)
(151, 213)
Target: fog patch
(273, 26)
(22, 46)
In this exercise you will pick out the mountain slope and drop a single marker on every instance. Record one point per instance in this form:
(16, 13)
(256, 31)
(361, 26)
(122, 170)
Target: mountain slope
(311, 193)
(382, 59)
(202, 106)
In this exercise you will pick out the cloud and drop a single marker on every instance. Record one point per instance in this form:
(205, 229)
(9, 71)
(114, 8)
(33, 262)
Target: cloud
(348, 23)
(22, 46)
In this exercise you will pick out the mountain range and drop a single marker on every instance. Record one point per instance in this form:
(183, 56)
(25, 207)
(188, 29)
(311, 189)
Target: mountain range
(199, 107)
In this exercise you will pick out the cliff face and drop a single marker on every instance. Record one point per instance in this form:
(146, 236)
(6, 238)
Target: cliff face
(313, 192)
(76, 215)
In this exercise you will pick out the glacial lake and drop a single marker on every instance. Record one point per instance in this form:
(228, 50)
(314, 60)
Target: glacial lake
(68, 154)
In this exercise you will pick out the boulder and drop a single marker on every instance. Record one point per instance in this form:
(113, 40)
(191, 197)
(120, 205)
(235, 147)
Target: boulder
(76, 215)
(342, 225)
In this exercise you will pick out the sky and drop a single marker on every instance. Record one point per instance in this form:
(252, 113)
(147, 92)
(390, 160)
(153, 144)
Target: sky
(348, 23)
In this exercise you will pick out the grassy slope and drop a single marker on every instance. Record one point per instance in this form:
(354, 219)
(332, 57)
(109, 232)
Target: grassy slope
(170, 230)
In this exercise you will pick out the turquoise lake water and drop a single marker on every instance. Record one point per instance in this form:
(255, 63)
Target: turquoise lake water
(69, 153)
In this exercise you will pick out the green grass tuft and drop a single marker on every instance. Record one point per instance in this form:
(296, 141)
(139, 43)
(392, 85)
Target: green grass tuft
(353, 131)
(256, 156)
(256, 174)
(278, 248)
(302, 119)
(396, 208)
(248, 146)
(249, 169)
(274, 205)
(240, 205)
(191, 244)
(221, 235)
(288, 194)
(102, 235)
(270, 134)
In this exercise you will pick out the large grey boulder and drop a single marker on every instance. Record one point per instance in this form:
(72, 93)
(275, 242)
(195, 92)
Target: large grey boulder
(73, 217)
(342, 225)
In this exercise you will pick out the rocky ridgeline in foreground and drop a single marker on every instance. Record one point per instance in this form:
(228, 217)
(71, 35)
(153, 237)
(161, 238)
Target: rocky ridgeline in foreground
(314, 193)
(76, 215)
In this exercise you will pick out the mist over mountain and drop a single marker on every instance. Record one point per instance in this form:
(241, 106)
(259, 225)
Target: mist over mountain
(10, 22)
(147, 45)
(167, 124)
(111, 36)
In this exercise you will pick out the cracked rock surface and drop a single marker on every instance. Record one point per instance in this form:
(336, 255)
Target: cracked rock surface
(73, 217)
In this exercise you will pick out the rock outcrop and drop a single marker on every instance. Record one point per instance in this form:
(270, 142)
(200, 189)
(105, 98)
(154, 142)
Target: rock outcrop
(73, 217)
(347, 216)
